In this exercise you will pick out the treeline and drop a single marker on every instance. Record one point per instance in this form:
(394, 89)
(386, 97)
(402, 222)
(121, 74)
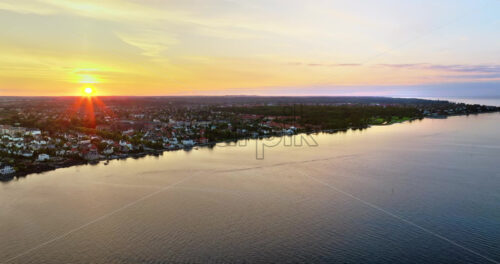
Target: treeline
(331, 116)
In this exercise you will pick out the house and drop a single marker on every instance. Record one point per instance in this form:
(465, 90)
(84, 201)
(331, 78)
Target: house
(108, 141)
(84, 142)
(34, 132)
(12, 131)
(27, 154)
(129, 132)
(125, 143)
(4, 129)
(188, 142)
(43, 157)
(73, 151)
(91, 153)
(7, 170)
(125, 146)
(108, 151)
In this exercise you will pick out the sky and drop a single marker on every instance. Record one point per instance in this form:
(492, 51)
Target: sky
(259, 47)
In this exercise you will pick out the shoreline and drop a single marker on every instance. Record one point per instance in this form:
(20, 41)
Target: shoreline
(41, 168)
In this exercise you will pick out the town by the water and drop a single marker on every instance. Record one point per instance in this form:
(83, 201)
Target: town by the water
(46, 133)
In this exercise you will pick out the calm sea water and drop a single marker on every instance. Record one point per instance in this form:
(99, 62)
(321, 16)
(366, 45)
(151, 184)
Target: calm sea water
(420, 192)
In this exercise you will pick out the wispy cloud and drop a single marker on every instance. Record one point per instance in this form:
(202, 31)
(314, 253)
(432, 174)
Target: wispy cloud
(152, 43)
(465, 68)
(324, 64)
(486, 76)
(477, 72)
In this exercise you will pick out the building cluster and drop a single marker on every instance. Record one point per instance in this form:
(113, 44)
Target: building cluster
(119, 136)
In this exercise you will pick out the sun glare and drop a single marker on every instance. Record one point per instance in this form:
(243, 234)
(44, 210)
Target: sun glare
(88, 91)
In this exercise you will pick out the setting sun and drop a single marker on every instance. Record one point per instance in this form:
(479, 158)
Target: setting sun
(88, 91)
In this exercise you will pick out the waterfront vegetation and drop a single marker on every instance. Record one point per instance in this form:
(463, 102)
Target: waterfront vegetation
(311, 117)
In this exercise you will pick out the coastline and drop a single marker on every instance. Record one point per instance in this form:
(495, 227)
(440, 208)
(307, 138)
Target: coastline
(41, 168)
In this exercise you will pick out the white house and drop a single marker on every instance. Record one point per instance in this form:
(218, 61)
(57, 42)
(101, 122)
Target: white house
(84, 142)
(7, 170)
(125, 144)
(27, 154)
(43, 157)
(108, 141)
(35, 132)
(108, 151)
(188, 142)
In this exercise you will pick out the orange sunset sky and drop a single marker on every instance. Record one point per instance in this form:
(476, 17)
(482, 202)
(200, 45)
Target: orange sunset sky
(187, 47)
